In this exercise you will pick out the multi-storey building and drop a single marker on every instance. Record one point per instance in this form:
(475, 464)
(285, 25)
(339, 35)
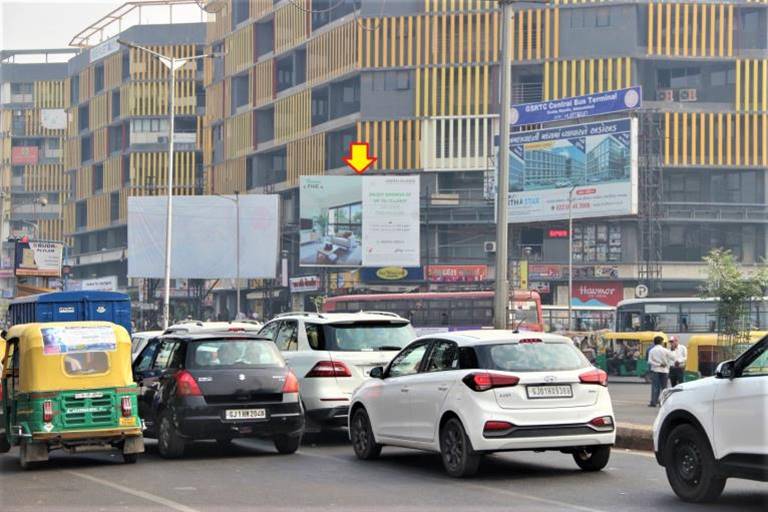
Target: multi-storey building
(32, 122)
(418, 80)
(116, 143)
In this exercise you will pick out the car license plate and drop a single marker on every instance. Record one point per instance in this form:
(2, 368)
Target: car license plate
(549, 391)
(245, 414)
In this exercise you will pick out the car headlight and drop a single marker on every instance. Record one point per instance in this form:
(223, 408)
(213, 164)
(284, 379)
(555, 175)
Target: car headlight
(668, 392)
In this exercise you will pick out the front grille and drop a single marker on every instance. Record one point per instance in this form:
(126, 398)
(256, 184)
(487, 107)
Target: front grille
(244, 398)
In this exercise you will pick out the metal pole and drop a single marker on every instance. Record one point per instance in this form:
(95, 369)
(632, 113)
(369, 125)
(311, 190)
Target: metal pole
(570, 258)
(237, 244)
(169, 208)
(501, 296)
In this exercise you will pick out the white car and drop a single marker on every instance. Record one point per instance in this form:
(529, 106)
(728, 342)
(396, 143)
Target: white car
(333, 353)
(712, 429)
(469, 393)
(139, 340)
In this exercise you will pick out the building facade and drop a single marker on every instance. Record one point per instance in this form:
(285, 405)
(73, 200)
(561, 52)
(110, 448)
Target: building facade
(418, 80)
(32, 125)
(116, 142)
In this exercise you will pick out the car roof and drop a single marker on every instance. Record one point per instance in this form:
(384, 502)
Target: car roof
(332, 318)
(493, 336)
(200, 336)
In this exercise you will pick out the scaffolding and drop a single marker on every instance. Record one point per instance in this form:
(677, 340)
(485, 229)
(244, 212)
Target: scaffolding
(651, 144)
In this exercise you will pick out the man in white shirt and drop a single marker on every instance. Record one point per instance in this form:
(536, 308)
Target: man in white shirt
(679, 356)
(659, 359)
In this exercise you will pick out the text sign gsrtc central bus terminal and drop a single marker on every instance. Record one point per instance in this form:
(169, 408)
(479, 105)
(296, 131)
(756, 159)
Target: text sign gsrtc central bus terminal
(575, 107)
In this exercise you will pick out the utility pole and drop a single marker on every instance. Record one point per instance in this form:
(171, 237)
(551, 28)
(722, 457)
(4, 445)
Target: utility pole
(501, 295)
(570, 258)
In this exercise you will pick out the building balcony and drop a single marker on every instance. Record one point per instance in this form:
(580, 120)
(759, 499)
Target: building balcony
(714, 212)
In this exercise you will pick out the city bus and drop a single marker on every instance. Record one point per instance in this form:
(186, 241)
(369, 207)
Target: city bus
(681, 316)
(585, 318)
(431, 312)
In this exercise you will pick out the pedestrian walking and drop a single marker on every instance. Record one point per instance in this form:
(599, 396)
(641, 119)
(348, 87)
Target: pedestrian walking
(679, 357)
(659, 359)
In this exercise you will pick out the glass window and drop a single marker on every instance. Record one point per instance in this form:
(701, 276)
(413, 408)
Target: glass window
(759, 366)
(602, 17)
(286, 337)
(164, 354)
(408, 361)
(269, 330)
(314, 336)
(86, 363)
(367, 336)
(144, 361)
(531, 357)
(234, 353)
(444, 356)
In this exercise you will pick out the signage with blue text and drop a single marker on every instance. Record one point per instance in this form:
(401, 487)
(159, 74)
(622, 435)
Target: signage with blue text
(577, 106)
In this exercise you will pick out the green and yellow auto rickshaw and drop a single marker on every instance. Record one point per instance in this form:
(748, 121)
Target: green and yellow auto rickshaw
(68, 385)
(706, 351)
(625, 354)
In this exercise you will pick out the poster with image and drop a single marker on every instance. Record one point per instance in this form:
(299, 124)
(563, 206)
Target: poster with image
(391, 221)
(68, 340)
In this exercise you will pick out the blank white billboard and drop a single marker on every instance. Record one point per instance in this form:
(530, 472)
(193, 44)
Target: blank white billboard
(204, 238)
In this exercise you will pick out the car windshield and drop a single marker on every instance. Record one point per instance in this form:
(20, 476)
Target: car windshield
(531, 357)
(367, 336)
(219, 354)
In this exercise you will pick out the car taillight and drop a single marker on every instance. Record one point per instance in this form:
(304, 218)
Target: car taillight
(291, 384)
(329, 369)
(530, 340)
(186, 385)
(47, 411)
(126, 406)
(497, 426)
(602, 423)
(594, 377)
(487, 380)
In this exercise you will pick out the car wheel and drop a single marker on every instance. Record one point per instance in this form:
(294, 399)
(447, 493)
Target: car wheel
(130, 458)
(593, 458)
(361, 433)
(690, 465)
(287, 444)
(169, 443)
(459, 459)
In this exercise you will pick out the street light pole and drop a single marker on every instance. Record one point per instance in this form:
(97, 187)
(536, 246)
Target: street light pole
(501, 295)
(570, 258)
(237, 248)
(173, 64)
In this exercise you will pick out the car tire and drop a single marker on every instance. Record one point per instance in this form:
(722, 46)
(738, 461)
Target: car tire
(690, 465)
(287, 445)
(361, 434)
(130, 458)
(593, 458)
(170, 444)
(459, 459)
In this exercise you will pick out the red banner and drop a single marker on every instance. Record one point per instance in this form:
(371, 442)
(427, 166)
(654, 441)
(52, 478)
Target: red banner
(457, 273)
(597, 293)
(24, 155)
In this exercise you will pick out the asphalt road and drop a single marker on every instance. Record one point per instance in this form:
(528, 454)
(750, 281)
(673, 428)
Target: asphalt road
(325, 475)
(630, 401)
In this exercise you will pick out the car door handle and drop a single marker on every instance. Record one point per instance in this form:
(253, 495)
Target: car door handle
(404, 390)
(442, 388)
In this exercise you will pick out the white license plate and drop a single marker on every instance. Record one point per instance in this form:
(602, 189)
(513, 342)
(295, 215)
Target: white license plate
(245, 414)
(549, 391)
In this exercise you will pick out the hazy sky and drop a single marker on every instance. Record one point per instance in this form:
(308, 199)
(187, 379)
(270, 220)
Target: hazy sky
(53, 23)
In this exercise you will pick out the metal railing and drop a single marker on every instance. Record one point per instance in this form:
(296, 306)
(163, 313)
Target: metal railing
(718, 212)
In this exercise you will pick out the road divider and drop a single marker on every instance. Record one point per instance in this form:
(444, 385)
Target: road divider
(634, 437)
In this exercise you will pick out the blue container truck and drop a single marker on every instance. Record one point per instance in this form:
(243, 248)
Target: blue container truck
(72, 306)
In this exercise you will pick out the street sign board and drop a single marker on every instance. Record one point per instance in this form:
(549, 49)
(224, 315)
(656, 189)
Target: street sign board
(574, 107)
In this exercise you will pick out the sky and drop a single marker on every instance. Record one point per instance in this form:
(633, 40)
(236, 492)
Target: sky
(32, 24)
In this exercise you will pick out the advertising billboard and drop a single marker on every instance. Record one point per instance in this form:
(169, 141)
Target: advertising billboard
(351, 221)
(102, 284)
(24, 155)
(40, 259)
(304, 284)
(597, 293)
(599, 103)
(391, 274)
(457, 273)
(204, 242)
(597, 160)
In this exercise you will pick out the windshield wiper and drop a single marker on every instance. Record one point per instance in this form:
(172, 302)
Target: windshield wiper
(388, 347)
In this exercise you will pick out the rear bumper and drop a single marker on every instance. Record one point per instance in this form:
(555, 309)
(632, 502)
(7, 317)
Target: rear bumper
(332, 416)
(197, 421)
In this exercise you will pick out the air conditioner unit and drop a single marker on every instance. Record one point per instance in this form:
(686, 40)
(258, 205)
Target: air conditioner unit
(687, 94)
(489, 246)
(665, 95)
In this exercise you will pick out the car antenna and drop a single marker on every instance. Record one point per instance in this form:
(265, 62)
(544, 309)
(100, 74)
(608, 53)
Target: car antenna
(516, 330)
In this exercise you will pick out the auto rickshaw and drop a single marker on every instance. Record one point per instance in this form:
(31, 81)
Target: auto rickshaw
(68, 385)
(705, 352)
(625, 354)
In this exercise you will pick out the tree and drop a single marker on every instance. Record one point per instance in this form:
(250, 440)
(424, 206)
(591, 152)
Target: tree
(735, 291)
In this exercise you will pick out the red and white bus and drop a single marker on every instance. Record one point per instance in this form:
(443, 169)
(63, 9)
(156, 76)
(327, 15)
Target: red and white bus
(431, 312)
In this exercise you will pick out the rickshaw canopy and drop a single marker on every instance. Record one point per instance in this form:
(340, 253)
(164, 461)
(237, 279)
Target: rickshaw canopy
(59, 356)
(644, 337)
(710, 340)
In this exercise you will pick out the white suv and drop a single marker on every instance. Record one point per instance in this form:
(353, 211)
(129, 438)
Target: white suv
(712, 429)
(333, 353)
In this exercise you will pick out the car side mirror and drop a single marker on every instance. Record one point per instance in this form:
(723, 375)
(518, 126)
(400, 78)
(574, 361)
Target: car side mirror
(725, 370)
(377, 373)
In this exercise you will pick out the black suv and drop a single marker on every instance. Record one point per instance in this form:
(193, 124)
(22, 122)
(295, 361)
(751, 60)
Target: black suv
(217, 386)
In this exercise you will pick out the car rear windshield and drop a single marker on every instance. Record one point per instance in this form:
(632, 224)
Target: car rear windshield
(531, 357)
(366, 336)
(221, 354)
